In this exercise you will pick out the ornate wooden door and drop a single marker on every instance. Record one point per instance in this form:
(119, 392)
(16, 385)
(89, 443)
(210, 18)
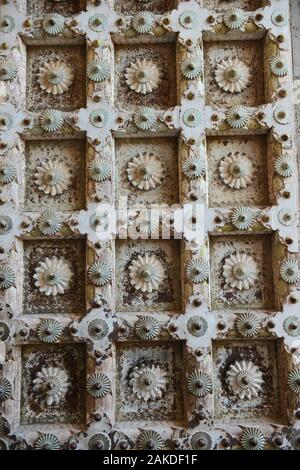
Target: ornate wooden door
(148, 225)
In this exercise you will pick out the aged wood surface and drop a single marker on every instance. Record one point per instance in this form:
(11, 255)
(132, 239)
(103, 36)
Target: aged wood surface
(177, 326)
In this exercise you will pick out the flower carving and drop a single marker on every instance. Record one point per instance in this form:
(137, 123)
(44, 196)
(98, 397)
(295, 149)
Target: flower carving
(240, 271)
(284, 166)
(150, 440)
(143, 76)
(53, 177)
(51, 120)
(197, 270)
(47, 442)
(244, 379)
(7, 277)
(237, 117)
(51, 385)
(49, 223)
(247, 324)
(7, 174)
(144, 118)
(148, 382)
(147, 327)
(49, 330)
(236, 170)
(55, 77)
(8, 70)
(98, 385)
(147, 222)
(191, 68)
(252, 439)
(5, 389)
(199, 384)
(232, 75)
(289, 271)
(145, 171)
(99, 273)
(294, 380)
(146, 273)
(53, 24)
(193, 167)
(98, 70)
(143, 22)
(278, 66)
(242, 218)
(99, 170)
(235, 18)
(53, 276)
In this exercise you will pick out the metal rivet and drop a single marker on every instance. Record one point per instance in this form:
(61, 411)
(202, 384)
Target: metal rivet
(123, 445)
(221, 325)
(97, 98)
(97, 416)
(282, 93)
(225, 442)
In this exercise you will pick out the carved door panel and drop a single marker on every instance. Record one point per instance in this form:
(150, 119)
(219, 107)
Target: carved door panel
(172, 322)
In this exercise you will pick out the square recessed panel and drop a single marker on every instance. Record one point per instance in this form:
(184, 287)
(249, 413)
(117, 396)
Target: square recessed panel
(44, 156)
(66, 8)
(250, 57)
(165, 259)
(163, 58)
(45, 367)
(41, 60)
(72, 253)
(224, 153)
(137, 361)
(262, 359)
(223, 5)
(161, 156)
(156, 6)
(254, 254)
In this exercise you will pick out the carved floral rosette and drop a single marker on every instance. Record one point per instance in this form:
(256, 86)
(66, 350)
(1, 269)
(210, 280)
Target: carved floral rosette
(274, 117)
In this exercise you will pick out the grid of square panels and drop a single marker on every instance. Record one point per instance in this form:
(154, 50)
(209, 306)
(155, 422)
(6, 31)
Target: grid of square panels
(184, 340)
